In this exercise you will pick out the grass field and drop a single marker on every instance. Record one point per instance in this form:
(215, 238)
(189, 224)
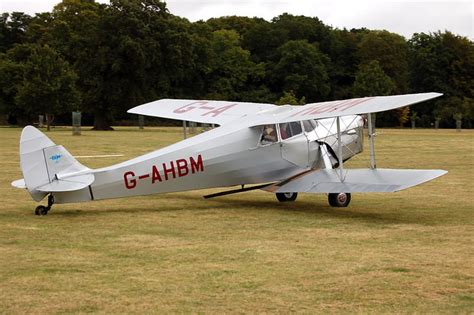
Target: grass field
(405, 252)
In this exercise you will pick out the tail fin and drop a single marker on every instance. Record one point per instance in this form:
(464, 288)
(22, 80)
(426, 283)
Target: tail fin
(41, 161)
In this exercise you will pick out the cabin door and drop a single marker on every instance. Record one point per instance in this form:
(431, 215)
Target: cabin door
(294, 144)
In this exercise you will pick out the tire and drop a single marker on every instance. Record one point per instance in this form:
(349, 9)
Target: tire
(46, 210)
(41, 210)
(283, 197)
(339, 199)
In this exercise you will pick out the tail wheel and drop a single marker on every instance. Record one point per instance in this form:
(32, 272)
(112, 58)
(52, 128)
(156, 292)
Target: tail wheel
(43, 210)
(339, 199)
(283, 197)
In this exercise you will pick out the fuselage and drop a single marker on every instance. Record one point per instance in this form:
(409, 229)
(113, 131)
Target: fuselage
(232, 154)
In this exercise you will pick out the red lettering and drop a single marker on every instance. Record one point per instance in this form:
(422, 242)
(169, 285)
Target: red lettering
(188, 107)
(169, 170)
(322, 109)
(352, 103)
(182, 166)
(196, 166)
(129, 182)
(314, 109)
(219, 110)
(155, 174)
(302, 112)
(329, 107)
(206, 107)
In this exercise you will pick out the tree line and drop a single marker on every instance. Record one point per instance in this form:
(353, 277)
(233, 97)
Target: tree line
(102, 59)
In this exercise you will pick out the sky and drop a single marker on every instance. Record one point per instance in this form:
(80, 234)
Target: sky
(399, 16)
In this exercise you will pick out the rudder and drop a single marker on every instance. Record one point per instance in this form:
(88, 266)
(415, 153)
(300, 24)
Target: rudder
(41, 160)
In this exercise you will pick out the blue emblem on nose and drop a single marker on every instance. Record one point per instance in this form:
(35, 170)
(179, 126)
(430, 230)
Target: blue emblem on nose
(56, 157)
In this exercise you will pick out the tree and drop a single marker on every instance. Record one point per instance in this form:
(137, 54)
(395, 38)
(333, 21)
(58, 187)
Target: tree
(130, 52)
(443, 62)
(299, 27)
(391, 51)
(4, 32)
(240, 24)
(290, 99)
(264, 38)
(455, 106)
(403, 115)
(116, 52)
(11, 73)
(263, 41)
(231, 69)
(301, 68)
(371, 80)
(73, 29)
(47, 84)
(186, 55)
(343, 53)
(13, 28)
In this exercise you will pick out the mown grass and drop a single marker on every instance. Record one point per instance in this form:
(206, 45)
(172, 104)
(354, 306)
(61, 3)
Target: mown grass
(405, 252)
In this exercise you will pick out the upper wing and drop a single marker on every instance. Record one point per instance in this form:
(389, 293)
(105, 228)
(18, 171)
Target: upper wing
(221, 112)
(211, 112)
(342, 108)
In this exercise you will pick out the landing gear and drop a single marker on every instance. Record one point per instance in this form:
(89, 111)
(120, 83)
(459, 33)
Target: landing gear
(43, 210)
(282, 197)
(339, 199)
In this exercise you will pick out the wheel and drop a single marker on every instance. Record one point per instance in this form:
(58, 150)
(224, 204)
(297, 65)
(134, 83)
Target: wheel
(339, 199)
(282, 197)
(41, 210)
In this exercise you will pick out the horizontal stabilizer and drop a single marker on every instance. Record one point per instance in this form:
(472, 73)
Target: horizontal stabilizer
(356, 181)
(69, 184)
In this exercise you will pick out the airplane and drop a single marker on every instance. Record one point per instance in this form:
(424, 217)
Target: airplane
(283, 150)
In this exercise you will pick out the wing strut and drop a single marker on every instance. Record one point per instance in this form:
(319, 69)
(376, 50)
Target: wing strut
(339, 148)
(371, 141)
(185, 135)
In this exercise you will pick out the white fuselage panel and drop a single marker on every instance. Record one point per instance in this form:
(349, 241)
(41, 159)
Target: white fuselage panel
(225, 156)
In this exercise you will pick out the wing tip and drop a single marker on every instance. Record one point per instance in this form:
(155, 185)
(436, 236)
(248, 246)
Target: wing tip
(19, 183)
(435, 94)
(133, 110)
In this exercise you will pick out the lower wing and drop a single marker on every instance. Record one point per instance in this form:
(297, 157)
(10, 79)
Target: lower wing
(355, 181)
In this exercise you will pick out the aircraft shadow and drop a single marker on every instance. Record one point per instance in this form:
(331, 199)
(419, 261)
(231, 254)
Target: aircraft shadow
(315, 207)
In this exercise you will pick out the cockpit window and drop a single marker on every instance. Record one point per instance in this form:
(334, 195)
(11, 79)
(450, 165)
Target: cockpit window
(288, 130)
(269, 134)
(295, 128)
(285, 131)
(309, 125)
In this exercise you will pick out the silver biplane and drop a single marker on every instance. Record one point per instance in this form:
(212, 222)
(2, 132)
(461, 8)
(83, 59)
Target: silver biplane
(279, 149)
